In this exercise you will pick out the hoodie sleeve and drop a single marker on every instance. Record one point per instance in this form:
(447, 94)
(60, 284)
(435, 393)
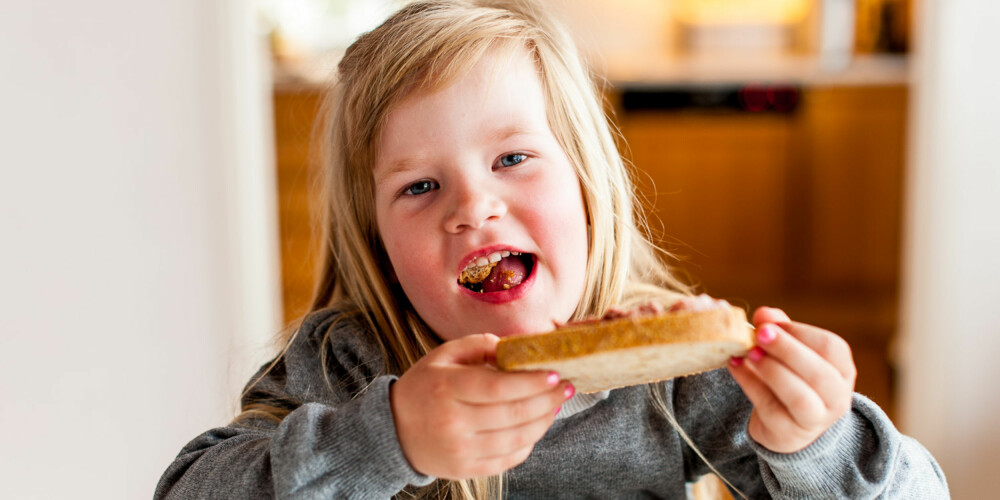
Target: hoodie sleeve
(861, 456)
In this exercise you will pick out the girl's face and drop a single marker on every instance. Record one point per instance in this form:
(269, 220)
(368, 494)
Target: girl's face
(471, 171)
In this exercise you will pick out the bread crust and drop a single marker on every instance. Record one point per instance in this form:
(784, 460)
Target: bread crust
(713, 335)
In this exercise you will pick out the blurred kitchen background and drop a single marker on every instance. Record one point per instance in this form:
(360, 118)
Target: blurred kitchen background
(834, 158)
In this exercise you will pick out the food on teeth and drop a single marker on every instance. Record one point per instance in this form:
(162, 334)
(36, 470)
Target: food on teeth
(482, 274)
(479, 268)
(476, 274)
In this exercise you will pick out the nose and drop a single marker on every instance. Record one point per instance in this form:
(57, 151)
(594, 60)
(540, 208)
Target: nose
(472, 206)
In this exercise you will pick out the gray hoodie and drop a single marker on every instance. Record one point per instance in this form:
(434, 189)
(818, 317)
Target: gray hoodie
(340, 441)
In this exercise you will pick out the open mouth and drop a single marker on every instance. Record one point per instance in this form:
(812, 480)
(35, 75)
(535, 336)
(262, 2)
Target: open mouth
(497, 271)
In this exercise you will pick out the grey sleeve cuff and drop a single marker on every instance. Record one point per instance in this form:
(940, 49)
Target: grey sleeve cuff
(345, 451)
(862, 455)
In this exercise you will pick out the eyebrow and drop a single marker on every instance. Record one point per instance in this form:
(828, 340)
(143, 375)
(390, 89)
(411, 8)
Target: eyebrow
(509, 131)
(411, 162)
(398, 166)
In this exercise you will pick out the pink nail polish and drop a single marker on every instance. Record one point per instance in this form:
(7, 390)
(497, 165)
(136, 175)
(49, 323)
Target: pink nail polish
(766, 334)
(553, 379)
(559, 409)
(735, 361)
(570, 391)
(756, 354)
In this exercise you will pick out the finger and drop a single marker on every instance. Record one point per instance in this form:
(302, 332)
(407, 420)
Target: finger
(805, 406)
(827, 345)
(769, 315)
(469, 350)
(512, 414)
(818, 373)
(503, 442)
(764, 400)
(484, 385)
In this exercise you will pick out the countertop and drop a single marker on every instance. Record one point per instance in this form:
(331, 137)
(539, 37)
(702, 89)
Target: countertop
(666, 71)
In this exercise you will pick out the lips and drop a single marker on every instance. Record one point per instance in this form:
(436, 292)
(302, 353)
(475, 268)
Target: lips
(498, 276)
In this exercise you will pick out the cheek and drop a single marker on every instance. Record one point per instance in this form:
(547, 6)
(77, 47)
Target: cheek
(574, 227)
(411, 257)
(565, 224)
(567, 242)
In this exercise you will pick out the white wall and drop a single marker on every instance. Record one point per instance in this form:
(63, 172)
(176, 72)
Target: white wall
(135, 285)
(951, 292)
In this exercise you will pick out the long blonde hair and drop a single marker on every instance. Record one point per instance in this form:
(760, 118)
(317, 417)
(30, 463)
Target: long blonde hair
(429, 44)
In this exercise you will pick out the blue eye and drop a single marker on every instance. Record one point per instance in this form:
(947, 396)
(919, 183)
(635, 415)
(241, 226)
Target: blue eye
(512, 159)
(421, 187)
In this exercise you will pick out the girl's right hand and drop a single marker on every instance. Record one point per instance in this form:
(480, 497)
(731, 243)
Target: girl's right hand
(458, 417)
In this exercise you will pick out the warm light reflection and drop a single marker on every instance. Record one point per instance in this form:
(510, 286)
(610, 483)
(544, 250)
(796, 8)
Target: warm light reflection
(741, 11)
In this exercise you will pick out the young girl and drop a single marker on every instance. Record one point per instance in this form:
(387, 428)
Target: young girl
(465, 132)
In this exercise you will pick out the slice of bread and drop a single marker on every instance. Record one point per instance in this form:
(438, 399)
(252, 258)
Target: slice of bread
(601, 355)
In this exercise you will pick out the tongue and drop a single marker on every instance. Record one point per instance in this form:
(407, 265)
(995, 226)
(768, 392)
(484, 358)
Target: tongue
(507, 274)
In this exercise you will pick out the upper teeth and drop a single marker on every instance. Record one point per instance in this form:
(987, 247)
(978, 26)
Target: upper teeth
(492, 258)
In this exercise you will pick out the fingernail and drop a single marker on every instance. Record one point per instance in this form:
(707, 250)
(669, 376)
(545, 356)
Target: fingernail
(570, 391)
(766, 334)
(553, 379)
(735, 361)
(756, 354)
(559, 409)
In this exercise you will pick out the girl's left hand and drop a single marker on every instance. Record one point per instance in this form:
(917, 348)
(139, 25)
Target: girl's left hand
(799, 378)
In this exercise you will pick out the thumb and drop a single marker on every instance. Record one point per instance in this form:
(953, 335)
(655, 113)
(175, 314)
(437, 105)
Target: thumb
(476, 349)
(769, 315)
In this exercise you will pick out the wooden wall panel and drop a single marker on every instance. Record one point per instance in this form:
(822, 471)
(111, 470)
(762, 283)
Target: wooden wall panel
(295, 113)
(717, 186)
(853, 141)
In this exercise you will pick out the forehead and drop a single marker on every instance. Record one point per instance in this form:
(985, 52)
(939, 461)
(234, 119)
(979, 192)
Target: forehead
(446, 71)
(499, 95)
(499, 79)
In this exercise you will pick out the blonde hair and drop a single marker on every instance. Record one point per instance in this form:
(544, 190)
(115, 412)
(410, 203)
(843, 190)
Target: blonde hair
(429, 44)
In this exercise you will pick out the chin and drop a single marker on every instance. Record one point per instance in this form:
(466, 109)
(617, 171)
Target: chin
(524, 326)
